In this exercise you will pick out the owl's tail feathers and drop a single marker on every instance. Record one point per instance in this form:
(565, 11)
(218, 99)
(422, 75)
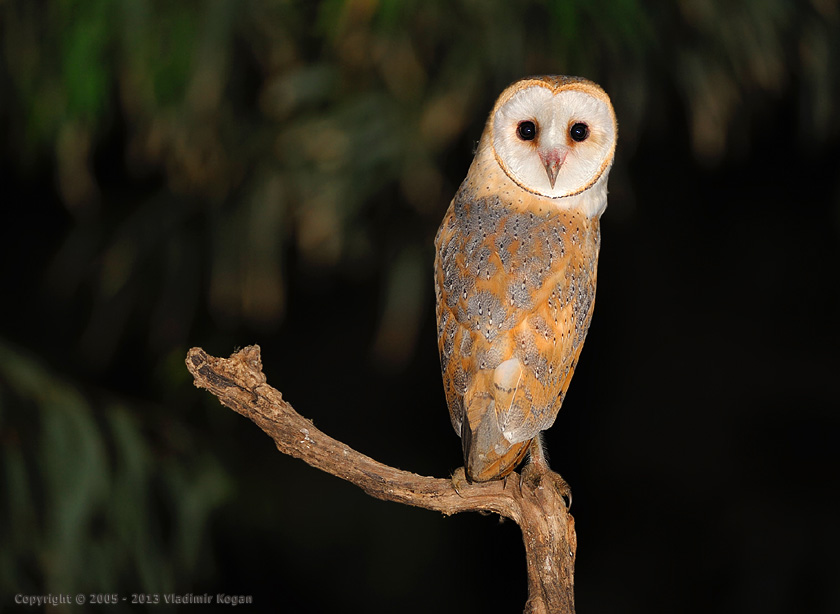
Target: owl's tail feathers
(488, 454)
(483, 465)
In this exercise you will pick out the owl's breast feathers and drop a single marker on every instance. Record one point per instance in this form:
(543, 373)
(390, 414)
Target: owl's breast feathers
(515, 289)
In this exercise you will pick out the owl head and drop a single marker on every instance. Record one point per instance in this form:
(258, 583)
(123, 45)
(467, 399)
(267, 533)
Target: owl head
(553, 136)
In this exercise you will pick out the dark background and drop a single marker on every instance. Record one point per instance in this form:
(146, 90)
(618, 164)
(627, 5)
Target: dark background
(224, 173)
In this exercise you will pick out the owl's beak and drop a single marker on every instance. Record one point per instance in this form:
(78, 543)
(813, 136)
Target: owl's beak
(552, 160)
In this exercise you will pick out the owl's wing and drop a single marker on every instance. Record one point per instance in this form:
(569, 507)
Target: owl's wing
(514, 294)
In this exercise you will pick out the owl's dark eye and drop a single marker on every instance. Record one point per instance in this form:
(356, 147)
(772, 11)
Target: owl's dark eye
(526, 131)
(579, 132)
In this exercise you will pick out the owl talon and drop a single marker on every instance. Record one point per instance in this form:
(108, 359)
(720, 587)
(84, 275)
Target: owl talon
(567, 497)
(459, 480)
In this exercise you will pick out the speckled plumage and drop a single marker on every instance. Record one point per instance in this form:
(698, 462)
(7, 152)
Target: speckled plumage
(515, 277)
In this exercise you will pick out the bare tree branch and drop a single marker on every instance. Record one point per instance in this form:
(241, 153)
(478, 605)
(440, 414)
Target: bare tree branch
(533, 503)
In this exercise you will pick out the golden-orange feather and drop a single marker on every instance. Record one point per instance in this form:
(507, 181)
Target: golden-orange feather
(511, 286)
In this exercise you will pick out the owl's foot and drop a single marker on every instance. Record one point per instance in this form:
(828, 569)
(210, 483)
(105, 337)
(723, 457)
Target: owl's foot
(538, 474)
(459, 480)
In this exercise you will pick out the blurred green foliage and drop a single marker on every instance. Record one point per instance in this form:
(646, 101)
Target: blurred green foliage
(203, 151)
(92, 496)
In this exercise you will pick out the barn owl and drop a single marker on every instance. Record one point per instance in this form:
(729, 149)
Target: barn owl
(515, 268)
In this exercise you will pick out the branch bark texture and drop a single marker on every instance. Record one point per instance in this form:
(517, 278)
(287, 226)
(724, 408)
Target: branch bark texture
(535, 505)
